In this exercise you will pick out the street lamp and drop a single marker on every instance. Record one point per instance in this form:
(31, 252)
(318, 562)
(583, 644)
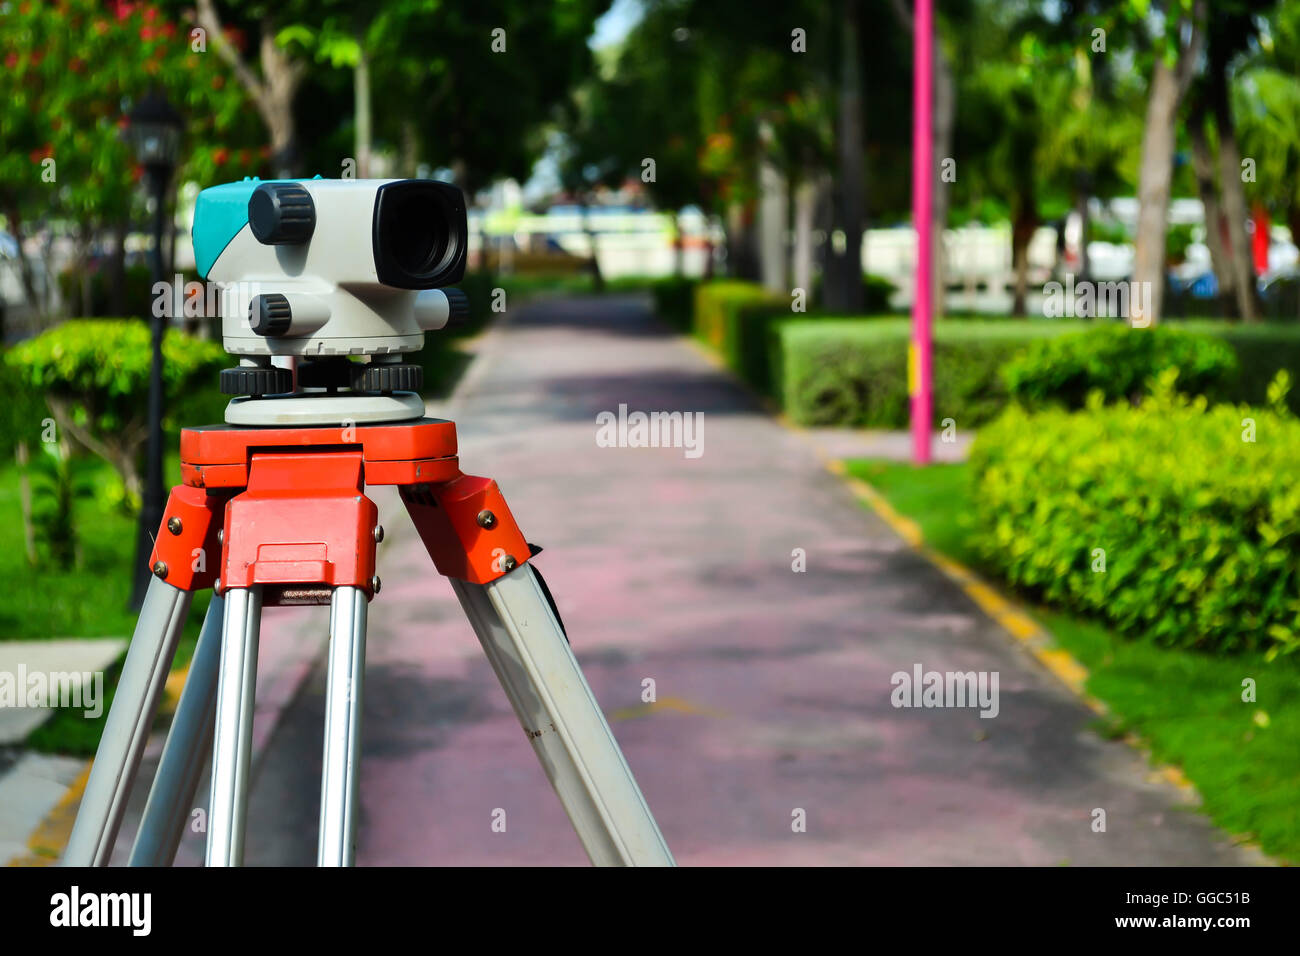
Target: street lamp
(154, 133)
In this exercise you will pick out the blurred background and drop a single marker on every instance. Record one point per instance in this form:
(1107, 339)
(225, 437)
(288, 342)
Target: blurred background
(745, 171)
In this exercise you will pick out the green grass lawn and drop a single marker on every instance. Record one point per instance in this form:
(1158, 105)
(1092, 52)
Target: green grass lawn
(87, 600)
(1187, 706)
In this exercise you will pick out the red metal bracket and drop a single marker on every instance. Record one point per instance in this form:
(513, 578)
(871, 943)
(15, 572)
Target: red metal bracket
(303, 520)
(186, 553)
(296, 516)
(467, 528)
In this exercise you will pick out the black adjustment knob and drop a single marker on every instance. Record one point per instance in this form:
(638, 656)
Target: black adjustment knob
(387, 378)
(457, 306)
(269, 314)
(247, 380)
(281, 214)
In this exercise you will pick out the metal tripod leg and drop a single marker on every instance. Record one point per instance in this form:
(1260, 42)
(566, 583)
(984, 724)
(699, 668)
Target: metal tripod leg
(339, 766)
(186, 753)
(149, 658)
(232, 738)
(540, 675)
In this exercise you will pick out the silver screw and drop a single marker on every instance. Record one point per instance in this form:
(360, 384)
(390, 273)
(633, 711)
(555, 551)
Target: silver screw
(221, 535)
(375, 583)
(379, 533)
(174, 525)
(160, 569)
(508, 563)
(487, 519)
(216, 586)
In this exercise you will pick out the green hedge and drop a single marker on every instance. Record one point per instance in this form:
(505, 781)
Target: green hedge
(738, 320)
(1120, 362)
(1200, 528)
(854, 371)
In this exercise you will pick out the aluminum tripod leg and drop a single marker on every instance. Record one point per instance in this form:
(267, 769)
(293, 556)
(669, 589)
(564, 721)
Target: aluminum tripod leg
(540, 675)
(341, 761)
(232, 739)
(148, 659)
(186, 753)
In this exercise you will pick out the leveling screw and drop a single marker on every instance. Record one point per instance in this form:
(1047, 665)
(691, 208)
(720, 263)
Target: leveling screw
(487, 519)
(174, 525)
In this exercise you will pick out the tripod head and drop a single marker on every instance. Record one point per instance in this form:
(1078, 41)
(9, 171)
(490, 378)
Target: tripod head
(345, 276)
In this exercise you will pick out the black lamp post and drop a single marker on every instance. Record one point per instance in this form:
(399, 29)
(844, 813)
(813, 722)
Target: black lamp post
(154, 132)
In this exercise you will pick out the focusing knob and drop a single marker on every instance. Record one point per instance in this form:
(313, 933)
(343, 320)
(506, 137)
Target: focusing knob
(281, 214)
(246, 380)
(387, 378)
(269, 314)
(457, 306)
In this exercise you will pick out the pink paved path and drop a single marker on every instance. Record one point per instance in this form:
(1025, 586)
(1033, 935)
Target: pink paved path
(774, 686)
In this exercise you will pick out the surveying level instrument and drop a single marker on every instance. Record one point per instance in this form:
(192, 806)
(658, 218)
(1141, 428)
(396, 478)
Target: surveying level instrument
(279, 493)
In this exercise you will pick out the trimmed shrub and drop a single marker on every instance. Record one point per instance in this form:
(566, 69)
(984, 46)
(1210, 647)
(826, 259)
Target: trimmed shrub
(854, 371)
(737, 320)
(1120, 362)
(1192, 511)
(95, 376)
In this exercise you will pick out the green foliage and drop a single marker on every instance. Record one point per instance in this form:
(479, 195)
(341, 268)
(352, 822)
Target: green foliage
(1198, 516)
(737, 320)
(1120, 362)
(95, 376)
(854, 371)
(55, 487)
(137, 291)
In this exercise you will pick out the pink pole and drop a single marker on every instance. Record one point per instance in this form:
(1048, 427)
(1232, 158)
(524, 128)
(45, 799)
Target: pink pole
(919, 373)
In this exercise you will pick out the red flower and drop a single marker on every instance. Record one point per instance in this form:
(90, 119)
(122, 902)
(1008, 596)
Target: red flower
(243, 157)
(220, 156)
(218, 81)
(11, 61)
(146, 33)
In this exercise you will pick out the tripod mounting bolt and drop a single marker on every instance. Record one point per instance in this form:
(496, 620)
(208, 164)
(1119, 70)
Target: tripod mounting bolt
(375, 584)
(379, 533)
(160, 569)
(508, 563)
(487, 519)
(174, 525)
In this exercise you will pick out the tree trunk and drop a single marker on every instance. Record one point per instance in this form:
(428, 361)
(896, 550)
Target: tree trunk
(742, 255)
(116, 271)
(281, 78)
(1203, 167)
(844, 266)
(1082, 195)
(597, 278)
(1234, 204)
(1154, 182)
(1155, 175)
(1023, 227)
(25, 271)
(805, 209)
(679, 246)
(361, 106)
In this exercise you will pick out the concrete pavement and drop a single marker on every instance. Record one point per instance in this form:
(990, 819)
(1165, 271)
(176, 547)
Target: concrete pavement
(773, 685)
